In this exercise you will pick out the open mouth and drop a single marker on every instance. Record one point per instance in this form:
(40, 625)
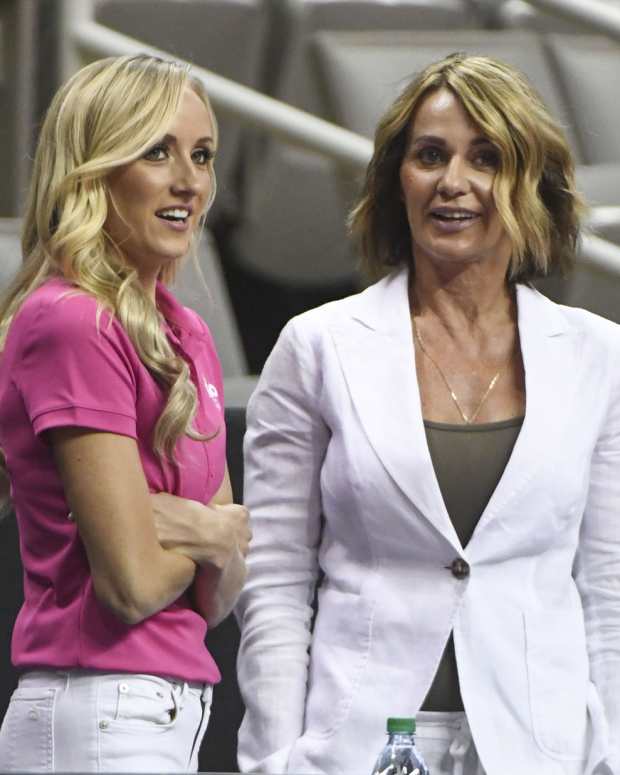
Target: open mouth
(449, 215)
(174, 214)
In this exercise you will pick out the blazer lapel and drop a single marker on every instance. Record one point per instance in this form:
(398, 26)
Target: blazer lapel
(374, 344)
(546, 351)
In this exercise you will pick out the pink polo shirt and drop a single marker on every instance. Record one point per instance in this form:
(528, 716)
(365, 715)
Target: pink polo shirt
(59, 368)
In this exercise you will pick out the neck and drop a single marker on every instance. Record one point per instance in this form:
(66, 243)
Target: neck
(150, 286)
(462, 298)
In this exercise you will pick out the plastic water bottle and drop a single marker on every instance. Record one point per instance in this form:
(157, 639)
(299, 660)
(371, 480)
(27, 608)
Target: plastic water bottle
(400, 755)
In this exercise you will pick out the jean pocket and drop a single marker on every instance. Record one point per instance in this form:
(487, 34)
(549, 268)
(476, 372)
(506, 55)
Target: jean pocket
(27, 734)
(136, 701)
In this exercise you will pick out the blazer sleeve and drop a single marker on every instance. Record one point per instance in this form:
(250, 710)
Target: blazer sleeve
(284, 449)
(597, 566)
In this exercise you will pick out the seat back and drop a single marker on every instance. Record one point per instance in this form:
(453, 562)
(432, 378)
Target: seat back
(10, 249)
(201, 285)
(587, 69)
(362, 73)
(296, 201)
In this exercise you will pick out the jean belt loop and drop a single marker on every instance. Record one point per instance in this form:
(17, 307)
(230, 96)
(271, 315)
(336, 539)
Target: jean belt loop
(458, 749)
(180, 692)
(207, 692)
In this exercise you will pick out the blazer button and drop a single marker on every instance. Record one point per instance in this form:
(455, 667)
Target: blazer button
(460, 568)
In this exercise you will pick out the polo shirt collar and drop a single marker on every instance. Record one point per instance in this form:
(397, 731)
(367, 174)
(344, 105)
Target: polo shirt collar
(176, 315)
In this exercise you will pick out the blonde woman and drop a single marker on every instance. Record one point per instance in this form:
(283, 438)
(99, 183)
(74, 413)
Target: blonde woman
(445, 448)
(112, 429)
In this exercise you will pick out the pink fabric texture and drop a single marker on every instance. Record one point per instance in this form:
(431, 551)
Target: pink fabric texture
(66, 363)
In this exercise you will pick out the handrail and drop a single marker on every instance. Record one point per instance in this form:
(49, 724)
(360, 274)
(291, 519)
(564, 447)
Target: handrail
(291, 124)
(599, 15)
(295, 126)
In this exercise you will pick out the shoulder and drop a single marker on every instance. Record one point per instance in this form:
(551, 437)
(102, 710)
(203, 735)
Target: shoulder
(374, 306)
(58, 317)
(57, 304)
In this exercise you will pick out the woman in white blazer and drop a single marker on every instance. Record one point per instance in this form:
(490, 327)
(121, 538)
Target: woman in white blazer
(377, 418)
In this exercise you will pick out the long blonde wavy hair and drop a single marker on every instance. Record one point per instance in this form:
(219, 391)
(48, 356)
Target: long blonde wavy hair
(534, 189)
(106, 116)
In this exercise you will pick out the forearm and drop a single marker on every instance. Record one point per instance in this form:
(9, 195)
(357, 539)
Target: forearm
(216, 590)
(107, 494)
(134, 599)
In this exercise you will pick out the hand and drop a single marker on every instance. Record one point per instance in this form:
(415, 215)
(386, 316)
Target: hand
(210, 534)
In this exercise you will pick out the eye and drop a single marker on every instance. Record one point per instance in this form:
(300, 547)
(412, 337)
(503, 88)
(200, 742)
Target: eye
(487, 157)
(157, 153)
(430, 155)
(203, 156)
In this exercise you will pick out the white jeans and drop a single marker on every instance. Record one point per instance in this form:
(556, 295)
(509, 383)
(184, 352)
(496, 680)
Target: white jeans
(77, 720)
(445, 742)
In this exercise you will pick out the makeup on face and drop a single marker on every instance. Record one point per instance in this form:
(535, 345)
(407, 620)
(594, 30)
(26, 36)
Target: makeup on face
(156, 201)
(447, 177)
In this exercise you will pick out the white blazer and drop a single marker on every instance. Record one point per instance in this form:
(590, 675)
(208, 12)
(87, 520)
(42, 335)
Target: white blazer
(339, 476)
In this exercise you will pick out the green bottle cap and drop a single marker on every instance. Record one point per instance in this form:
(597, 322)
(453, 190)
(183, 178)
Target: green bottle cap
(401, 726)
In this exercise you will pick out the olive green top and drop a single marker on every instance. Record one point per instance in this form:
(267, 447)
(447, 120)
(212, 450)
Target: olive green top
(469, 461)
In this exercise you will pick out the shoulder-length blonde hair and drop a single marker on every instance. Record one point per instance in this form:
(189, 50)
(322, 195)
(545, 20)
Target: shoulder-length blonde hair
(534, 189)
(107, 115)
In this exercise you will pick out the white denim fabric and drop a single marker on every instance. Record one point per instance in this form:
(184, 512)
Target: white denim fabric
(445, 742)
(85, 721)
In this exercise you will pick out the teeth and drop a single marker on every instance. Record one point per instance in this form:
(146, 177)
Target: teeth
(455, 216)
(177, 213)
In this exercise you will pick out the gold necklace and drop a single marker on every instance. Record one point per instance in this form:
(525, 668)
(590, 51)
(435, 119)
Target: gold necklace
(467, 419)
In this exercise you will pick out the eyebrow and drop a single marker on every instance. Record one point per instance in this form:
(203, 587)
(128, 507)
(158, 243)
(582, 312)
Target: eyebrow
(440, 140)
(206, 140)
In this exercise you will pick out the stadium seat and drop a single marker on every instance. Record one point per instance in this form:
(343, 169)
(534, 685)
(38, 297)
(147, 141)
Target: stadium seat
(587, 70)
(200, 284)
(296, 201)
(363, 72)
(10, 249)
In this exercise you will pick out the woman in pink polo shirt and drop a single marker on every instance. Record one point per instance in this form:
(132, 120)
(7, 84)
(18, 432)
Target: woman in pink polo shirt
(113, 433)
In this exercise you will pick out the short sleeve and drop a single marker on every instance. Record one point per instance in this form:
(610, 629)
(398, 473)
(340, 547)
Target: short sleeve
(77, 367)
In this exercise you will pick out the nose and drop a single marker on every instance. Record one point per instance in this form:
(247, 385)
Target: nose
(185, 180)
(454, 181)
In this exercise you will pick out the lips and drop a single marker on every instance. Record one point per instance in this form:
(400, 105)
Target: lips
(453, 214)
(174, 213)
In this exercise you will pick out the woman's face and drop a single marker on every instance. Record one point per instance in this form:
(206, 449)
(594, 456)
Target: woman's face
(156, 201)
(446, 178)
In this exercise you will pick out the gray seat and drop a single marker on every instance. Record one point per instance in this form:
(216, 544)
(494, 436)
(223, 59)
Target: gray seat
(10, 250)
(588, 286)
(363, 72)
(200, 284)
(226, 36)
(599, 184)
(587, 69)
(298, 82)
(296, 201)
(18, 86)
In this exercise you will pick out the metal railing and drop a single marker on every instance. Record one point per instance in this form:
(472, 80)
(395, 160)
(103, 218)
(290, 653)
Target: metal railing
(298, 127)
(290, 124)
